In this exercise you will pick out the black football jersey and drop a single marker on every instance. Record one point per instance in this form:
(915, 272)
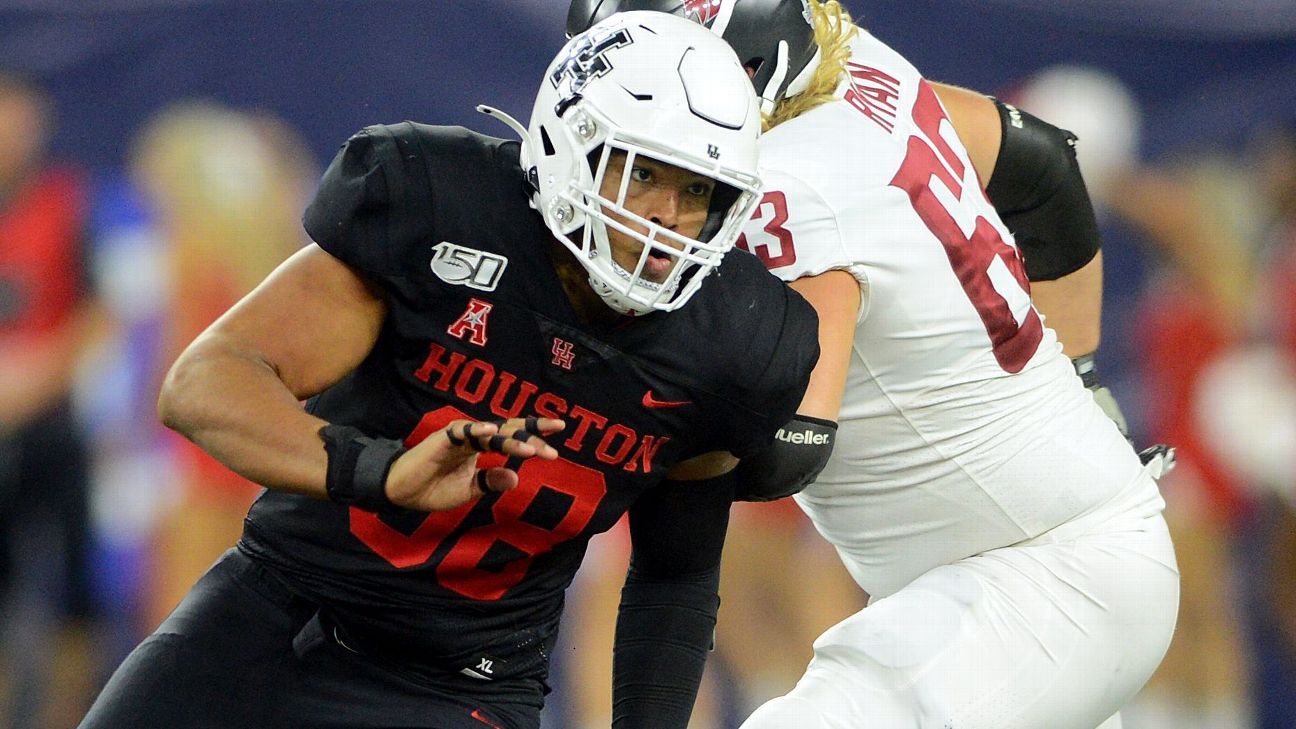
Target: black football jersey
(479, 327)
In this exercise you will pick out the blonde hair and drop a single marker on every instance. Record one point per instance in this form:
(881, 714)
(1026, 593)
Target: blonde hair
(833, 32)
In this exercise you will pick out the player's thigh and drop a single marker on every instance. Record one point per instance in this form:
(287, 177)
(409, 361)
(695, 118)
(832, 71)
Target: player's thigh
(335, 687)
(215, 662)
(1055, 635)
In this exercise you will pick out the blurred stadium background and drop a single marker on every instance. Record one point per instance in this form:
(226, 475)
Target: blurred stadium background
(199, 127)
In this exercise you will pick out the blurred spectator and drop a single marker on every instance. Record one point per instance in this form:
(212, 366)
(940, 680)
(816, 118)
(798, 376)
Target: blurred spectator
(1245, 409)
(47, 316)
(1218, 335)
(225, 190)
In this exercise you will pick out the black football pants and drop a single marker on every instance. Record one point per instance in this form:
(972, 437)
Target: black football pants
(242, 652)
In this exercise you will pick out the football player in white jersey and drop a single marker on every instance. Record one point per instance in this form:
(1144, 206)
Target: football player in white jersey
(1010, 539)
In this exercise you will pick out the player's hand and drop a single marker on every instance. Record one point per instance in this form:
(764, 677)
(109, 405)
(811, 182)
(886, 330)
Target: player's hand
(441, 472)
(1111, 408)
(1159, 459)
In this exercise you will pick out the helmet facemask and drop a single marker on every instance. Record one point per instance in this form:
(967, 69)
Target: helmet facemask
(660, 91)
(670, 264)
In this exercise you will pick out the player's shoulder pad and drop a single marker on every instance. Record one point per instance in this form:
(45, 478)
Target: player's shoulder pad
(773, 342)
(380, 194)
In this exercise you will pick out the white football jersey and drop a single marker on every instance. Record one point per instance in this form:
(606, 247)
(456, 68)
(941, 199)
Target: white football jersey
(963, 427)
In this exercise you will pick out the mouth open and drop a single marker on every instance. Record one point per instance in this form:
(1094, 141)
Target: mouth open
(658, 265)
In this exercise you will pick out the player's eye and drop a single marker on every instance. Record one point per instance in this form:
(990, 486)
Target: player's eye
(641, 174)
(701, 189)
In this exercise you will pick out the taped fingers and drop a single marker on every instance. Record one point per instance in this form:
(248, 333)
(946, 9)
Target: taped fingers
(454, 439)
(465, 435)
(528, 431)
(459, 435)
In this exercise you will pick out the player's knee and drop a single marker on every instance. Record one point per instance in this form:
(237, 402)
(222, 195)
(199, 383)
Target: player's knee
(787, 712)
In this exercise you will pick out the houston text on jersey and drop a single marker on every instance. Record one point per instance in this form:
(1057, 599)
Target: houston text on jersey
(473, 380)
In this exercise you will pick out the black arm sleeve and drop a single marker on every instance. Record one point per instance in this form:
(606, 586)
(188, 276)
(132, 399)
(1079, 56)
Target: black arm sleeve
(799, 452)
(667, 617)
(1039, 193)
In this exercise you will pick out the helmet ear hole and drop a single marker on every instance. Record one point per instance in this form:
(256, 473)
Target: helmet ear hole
(549, 150)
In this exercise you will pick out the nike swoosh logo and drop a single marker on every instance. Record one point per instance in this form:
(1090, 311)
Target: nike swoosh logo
(651, 402)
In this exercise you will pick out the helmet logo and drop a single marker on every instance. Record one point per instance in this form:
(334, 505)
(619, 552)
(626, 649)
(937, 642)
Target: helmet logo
(701, 11)
(586, 60)
(713, 151)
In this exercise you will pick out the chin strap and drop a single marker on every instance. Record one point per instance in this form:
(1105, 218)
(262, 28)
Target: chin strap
(799, 84)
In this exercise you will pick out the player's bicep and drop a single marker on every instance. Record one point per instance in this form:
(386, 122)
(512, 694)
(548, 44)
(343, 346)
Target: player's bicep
(835, 296)
(312, 321)
(976, 120)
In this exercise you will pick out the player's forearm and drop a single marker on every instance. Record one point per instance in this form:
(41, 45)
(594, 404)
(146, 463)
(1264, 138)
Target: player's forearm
(664, 632)
(667, 615)
(1072, 307)
(236, 408)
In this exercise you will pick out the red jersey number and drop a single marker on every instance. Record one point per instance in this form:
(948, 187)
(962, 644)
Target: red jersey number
(774, 245)
(459, 570)
(932, 161)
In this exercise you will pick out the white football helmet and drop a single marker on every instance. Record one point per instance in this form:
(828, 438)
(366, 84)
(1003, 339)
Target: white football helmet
(650, 85)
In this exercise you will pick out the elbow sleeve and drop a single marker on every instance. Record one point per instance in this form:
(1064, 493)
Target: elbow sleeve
(1038, 191)
(799, 453)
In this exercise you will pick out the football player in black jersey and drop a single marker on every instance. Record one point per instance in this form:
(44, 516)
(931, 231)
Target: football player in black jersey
(564, 305)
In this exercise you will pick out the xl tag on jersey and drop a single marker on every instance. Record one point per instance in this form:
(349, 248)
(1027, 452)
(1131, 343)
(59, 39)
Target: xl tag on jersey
(483, 667)
(460, 266)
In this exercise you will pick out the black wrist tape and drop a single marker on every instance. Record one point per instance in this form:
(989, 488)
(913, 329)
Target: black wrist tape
(358, 466)
(1087, 367)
